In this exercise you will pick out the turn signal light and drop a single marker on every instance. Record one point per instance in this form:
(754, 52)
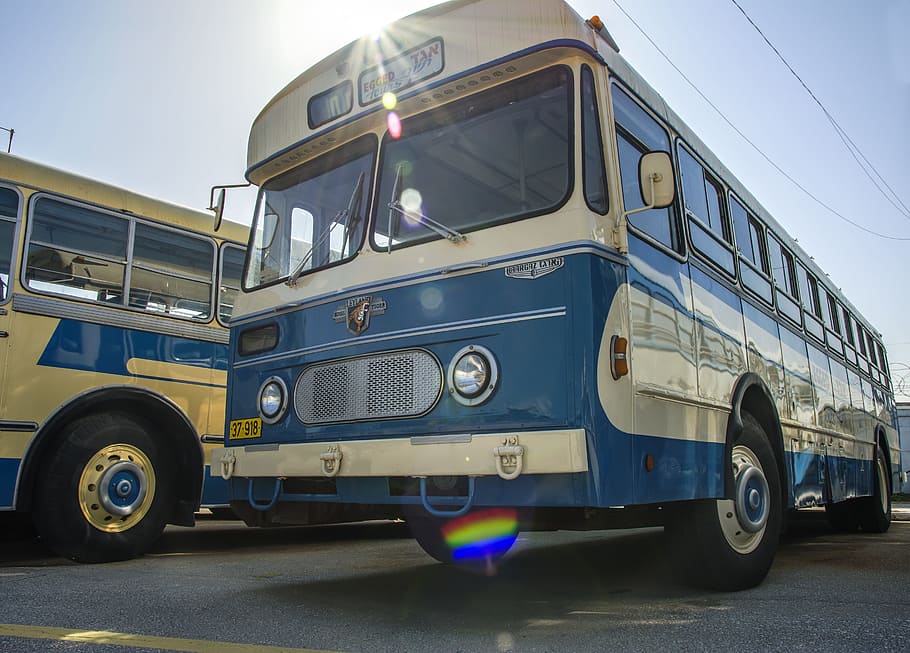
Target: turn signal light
(619, 362)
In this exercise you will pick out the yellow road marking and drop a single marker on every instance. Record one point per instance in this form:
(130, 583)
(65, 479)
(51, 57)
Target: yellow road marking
(142, 641)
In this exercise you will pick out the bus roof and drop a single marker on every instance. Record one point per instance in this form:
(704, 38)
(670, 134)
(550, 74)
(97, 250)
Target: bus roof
(39, 177)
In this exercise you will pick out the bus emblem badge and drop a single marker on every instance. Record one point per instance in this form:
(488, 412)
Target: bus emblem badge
(357, 312)
(535, 269)
(359, 316)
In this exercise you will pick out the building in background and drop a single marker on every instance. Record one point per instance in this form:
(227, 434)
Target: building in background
(903, 425)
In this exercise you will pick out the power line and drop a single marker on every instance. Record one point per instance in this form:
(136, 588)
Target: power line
(845, 139)
(749, 141)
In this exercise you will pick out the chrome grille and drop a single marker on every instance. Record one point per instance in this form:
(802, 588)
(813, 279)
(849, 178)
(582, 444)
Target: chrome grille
(395, 384)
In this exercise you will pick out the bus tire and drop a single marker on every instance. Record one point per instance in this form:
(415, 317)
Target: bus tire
(843, 516)
(721, 545)
(427, 531)
(477, 540)
(875, 512)
(105, 492)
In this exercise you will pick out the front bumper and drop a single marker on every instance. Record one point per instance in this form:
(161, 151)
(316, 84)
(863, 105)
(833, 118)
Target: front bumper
(507, 455)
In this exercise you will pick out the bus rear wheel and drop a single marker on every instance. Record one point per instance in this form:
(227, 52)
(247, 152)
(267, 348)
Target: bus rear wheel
(875, 512)
(729, 544)
(105, 493)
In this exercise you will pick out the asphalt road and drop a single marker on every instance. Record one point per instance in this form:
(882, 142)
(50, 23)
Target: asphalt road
(369, 588)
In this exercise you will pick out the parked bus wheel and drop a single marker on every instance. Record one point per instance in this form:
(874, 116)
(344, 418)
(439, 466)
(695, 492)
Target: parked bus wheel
(729, 544)
(875, 511)
(843, 516)
(106, 492)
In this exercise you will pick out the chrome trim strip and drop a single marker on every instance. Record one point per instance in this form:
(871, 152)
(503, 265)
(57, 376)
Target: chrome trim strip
(559, 311)
(19, 427)
(117, 317)
(441, 439)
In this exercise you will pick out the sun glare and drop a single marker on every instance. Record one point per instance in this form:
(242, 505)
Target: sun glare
(309, 31)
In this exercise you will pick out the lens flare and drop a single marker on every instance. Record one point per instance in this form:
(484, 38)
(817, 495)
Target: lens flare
(394, 124)
(481, 534)
(412, 203)
(389, 100)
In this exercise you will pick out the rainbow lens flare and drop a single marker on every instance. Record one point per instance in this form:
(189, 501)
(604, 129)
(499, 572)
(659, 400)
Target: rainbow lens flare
(481, 534)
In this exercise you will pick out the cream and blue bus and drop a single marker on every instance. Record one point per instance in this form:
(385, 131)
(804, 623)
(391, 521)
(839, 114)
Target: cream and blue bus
(494, 283)
(113, 359)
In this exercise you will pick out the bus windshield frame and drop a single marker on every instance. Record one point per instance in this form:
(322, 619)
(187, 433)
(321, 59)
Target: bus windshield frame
(313, 216)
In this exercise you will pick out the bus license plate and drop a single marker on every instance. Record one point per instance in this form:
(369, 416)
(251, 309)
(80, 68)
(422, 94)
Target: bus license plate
(242, 429)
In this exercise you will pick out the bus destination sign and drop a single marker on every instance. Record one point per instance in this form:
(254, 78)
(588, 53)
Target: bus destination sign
(401, 72)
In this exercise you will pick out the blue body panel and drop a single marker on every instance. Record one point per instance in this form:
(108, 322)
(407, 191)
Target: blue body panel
(110, 351)
(548, 381)
(9, 469)
(65, 349)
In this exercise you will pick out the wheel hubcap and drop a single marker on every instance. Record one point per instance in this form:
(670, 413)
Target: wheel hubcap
(743, 520)
(122, 488)
(116, 488)
(751, 498)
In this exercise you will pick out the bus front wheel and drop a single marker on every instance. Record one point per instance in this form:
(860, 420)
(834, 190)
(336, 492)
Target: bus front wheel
(105, 492)
(477, 540)
(729, 544)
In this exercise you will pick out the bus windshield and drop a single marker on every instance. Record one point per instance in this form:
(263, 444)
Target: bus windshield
(496, 156)
(313, 216)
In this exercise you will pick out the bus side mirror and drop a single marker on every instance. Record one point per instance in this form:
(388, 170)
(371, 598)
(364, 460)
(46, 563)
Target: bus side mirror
(655, 179)
(218, 208)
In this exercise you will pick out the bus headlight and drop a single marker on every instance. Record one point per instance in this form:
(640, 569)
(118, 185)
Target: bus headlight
(472, 375)
(273, 399)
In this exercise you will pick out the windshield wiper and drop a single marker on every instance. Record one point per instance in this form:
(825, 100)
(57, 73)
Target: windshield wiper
(353, 210)
(437, 227)
(340, 218)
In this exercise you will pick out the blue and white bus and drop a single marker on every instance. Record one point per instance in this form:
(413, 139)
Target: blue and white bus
(494, 283)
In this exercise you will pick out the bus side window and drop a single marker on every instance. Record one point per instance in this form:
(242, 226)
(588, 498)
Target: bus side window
(829, 313)
(831, 318)
(636, 134)
(754, 269)
(808, 292)
(708, 228)
(9, 210)
(76, 251)
(593, 169)
(783, 271)
(782, 268)
(172, 273)
(848, 328)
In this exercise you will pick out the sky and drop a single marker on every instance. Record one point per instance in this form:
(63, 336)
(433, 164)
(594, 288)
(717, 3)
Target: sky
(159, 96)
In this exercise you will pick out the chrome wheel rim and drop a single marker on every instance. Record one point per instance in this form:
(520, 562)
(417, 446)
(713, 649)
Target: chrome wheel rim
(116, 488)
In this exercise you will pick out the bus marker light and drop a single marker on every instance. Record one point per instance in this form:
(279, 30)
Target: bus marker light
(619, 362)
(649, 463)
